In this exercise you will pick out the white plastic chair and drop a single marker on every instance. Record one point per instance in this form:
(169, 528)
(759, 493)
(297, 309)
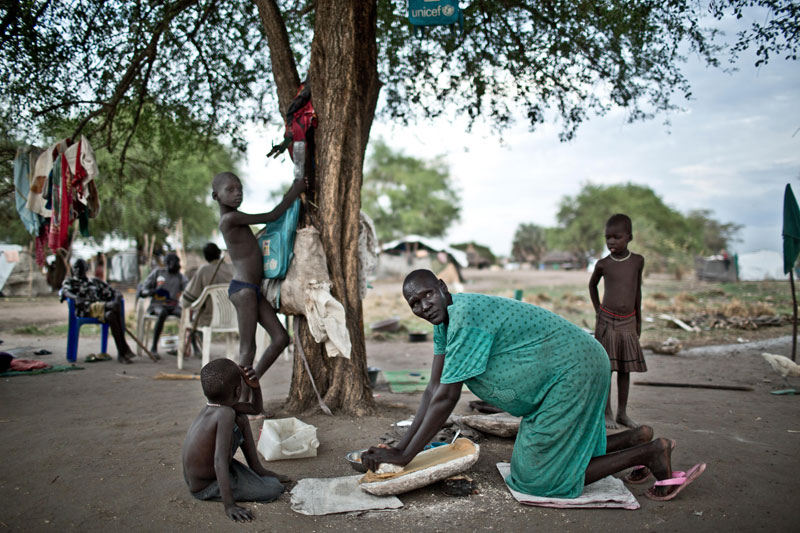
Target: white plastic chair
(223, 320)
(145, 322)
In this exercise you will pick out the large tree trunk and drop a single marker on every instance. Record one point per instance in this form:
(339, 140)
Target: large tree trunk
(345, 86)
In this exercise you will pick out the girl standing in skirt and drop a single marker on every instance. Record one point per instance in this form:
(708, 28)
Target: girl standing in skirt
(619, 317)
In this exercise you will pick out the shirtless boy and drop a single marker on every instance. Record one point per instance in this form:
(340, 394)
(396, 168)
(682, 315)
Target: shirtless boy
(209, 468)
(245, 288)
(619, 317)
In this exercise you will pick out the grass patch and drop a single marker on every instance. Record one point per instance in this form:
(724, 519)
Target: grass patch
(28, 330)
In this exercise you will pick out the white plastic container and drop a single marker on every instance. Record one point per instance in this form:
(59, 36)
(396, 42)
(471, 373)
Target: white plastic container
(287, 438)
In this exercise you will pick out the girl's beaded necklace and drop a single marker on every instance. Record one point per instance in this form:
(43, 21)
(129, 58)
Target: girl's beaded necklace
(620, 260)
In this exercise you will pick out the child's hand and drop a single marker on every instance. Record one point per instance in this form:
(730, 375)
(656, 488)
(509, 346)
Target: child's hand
(249, 376)
(238, 514)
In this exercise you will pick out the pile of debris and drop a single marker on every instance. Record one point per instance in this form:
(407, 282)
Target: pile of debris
(705, 322)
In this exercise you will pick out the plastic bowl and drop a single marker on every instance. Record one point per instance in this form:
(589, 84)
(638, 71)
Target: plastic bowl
(354, 458)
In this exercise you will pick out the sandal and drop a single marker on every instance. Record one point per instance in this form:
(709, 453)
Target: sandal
(680, 481)
(103, 357)
(91, 358)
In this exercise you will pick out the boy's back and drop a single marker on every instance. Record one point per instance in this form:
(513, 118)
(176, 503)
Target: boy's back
(201, 442)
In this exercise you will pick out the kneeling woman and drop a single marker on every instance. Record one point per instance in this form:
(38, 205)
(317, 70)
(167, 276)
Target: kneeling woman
(534, 364)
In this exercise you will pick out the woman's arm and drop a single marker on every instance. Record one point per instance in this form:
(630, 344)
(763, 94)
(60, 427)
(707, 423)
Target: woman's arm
(433, 384)
(428, 422)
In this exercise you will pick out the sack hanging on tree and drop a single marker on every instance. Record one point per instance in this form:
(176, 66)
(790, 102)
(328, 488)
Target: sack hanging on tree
(423, 13)
(276, 242)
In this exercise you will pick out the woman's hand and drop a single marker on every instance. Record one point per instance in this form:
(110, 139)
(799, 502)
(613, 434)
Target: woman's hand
(383, 454)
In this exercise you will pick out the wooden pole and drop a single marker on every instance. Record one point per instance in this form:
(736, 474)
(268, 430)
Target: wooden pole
(794, 315)
(134, 337)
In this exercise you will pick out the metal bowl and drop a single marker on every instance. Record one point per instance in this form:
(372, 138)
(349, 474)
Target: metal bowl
(354, 458)
(417, 336)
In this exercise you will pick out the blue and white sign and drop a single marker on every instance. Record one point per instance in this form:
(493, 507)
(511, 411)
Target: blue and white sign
(433, 12)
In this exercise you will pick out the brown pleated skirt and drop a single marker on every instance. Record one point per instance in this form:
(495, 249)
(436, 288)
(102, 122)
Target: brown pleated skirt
(618, 337)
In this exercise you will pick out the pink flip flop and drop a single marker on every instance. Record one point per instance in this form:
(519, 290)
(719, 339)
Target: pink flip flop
(679, 481)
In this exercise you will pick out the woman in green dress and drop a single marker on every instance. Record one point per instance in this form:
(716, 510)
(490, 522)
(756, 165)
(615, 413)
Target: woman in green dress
(531, 363)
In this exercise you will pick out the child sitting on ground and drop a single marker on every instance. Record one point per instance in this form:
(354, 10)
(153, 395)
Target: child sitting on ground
(619, 318)
(221, 427)
(245, 288)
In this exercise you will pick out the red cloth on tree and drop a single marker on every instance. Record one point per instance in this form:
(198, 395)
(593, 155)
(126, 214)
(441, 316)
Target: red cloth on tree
(62, 204)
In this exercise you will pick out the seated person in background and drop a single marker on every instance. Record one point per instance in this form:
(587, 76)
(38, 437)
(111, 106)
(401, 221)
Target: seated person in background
(209, 468)
(215, 271)
(95, 298)
(164, 285)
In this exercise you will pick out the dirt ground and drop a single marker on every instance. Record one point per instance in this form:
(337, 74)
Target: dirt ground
(99, 449)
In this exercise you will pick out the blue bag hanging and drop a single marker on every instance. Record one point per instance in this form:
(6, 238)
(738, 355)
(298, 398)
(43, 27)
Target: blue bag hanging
(276, 242)
(434, 13)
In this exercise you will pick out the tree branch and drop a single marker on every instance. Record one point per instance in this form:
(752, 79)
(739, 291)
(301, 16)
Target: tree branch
(133, 71)
(284, 68)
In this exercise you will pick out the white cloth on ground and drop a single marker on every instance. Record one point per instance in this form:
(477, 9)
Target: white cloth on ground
(608, 492)
(314, 496)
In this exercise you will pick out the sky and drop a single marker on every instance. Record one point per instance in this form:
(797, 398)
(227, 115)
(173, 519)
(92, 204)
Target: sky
(732, 149)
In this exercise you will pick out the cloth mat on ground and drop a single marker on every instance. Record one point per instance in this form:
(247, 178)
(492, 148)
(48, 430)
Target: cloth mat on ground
(401, 381)
(54, 368)
(608, 492)
(314, 496)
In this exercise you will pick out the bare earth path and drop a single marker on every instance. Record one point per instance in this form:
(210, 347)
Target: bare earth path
(99, 450)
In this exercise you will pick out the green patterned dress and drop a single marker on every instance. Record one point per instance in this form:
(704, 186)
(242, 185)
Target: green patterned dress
(537, 365)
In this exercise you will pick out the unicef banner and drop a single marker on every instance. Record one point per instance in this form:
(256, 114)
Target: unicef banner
(433, 12)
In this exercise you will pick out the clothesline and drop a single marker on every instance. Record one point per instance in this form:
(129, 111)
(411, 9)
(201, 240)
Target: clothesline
(54, 187)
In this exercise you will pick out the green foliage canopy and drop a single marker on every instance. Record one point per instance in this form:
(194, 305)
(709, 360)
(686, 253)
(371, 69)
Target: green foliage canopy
(668, 239)
(405, 195)
(530, 243)
(204, 64)
(483, 251)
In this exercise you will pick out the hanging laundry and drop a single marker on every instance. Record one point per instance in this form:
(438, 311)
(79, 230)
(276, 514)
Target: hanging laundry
(61, 202)
(22, 172)
(83, 166)
(39, 178)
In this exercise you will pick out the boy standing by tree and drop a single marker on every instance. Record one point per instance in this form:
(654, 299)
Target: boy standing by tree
(245, 288)
(619, 318)
(209, 468)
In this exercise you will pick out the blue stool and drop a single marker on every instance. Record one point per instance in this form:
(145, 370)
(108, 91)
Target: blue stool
(75, 323)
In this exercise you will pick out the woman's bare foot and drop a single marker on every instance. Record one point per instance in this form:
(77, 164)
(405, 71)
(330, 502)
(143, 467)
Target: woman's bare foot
(660, 464)
(610, 424)
(639, 474)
